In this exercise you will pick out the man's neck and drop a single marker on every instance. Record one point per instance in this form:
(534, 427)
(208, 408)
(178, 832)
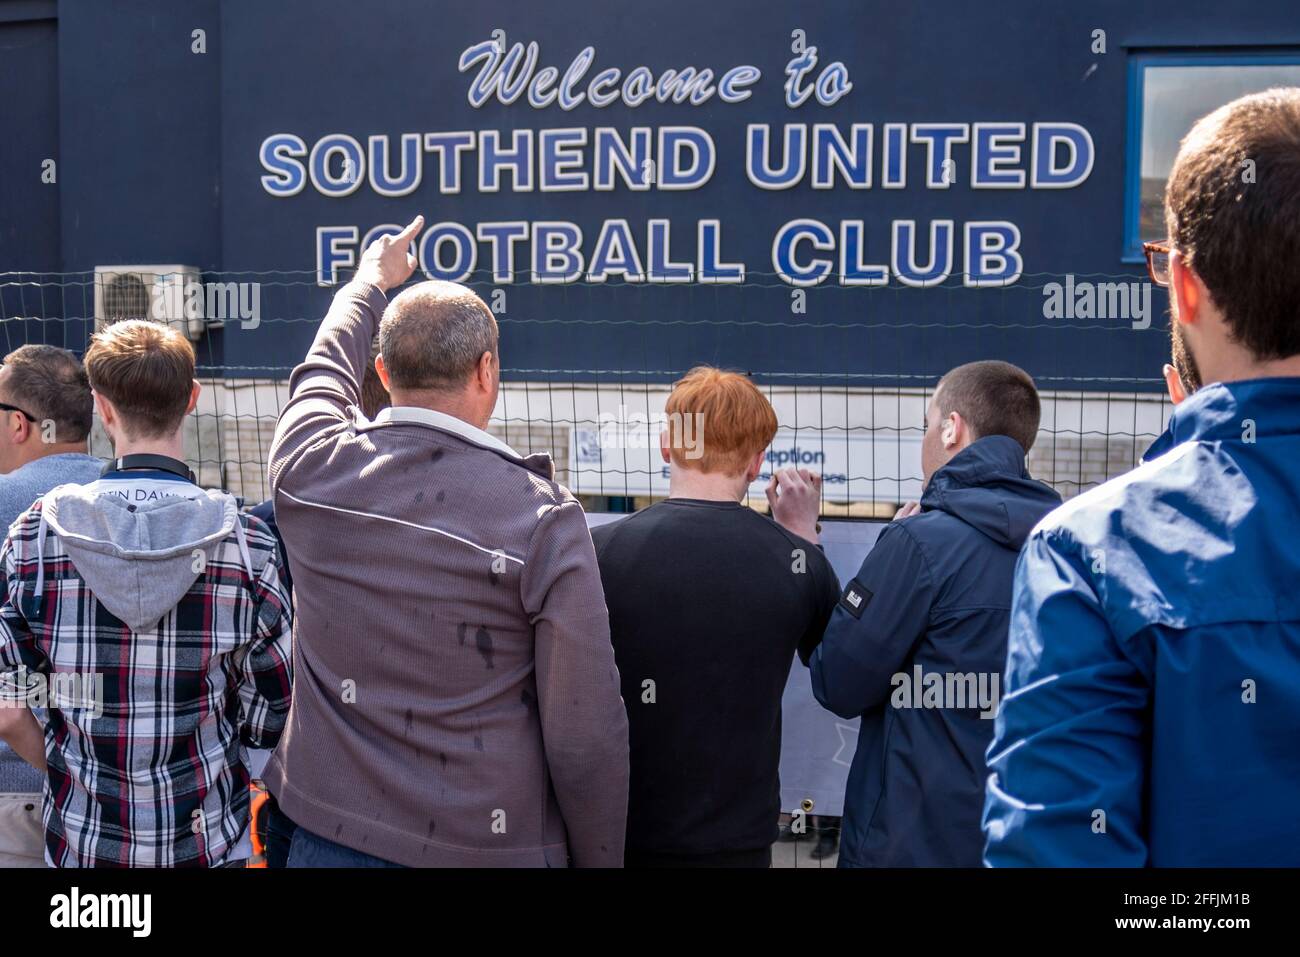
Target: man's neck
(1269, 369)
(706, 486)
(453, 405)
(171, 448)
(1228, 361)
(55, 448)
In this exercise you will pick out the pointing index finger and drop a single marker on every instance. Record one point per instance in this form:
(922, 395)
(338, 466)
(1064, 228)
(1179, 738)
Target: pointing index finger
(407, 234)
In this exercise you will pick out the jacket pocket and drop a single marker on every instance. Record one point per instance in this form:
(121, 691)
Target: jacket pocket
(862, 852)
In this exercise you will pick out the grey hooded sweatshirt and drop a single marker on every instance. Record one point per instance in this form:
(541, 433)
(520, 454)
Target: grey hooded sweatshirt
(141, 557)
(160, 605)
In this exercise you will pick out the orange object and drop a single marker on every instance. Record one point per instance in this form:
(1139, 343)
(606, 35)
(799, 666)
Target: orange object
(256, 809)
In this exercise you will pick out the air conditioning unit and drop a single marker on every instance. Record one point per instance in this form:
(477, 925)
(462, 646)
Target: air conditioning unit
(163, 294)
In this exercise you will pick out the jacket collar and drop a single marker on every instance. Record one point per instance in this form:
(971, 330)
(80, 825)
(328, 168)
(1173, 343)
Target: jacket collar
(984, 460)
(987, 486)
(1218, 412)
(538, 462)
(415, 415)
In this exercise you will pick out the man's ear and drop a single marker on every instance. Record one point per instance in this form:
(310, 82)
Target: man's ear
(194, 397)
(107, 414)
(1185, 288)
(755, 467)
(1174, 384)
(20, 430)
(664, 448)
(486, 374)
(952, 430)
(381, 370)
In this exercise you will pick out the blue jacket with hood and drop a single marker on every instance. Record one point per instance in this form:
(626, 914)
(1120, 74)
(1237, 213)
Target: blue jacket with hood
(1152, 713)
(930, 604)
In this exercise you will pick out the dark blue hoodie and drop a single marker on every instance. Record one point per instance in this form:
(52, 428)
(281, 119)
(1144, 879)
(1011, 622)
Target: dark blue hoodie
(916, 647)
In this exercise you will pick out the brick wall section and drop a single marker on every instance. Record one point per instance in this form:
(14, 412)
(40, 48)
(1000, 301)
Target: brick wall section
(1072, 464)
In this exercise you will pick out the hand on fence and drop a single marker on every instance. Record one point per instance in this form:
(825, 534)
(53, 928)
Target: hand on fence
(795, 497)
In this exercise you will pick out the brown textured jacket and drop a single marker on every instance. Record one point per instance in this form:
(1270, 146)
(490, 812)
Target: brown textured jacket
(456, 701)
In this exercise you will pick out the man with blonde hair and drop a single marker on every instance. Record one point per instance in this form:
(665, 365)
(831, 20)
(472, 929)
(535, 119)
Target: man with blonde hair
(147, 616)
(708, 603)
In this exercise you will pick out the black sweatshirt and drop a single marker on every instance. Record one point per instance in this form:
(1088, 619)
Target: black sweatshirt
(708, 603)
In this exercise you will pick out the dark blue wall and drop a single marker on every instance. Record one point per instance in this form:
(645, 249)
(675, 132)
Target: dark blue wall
(140, 130)
(158, 162)
(29, 207)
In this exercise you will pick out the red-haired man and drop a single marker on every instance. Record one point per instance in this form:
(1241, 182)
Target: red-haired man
(708, 603)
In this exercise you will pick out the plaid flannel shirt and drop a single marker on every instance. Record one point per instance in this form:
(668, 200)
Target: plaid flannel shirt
(158, 779)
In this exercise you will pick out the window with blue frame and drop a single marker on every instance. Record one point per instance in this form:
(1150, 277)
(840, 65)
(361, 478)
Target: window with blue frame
(1168, 92)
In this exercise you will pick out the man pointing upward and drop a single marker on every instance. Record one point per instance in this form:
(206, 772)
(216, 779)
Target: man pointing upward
(457, 703)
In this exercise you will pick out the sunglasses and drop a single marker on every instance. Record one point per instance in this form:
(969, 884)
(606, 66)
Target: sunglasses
(1157, 254)
(5, 406)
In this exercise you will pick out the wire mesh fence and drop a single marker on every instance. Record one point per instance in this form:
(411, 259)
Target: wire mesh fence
(850, 373)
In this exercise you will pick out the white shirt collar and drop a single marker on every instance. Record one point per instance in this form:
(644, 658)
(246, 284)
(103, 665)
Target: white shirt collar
(399, 414)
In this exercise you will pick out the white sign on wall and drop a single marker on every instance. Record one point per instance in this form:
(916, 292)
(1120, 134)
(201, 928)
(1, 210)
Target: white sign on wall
(864, 466)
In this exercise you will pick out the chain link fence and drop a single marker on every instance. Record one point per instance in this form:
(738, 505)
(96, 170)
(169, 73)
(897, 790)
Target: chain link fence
(862, 430)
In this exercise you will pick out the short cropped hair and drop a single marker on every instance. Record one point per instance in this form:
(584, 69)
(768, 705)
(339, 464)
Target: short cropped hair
(994, 398)
(717, 421)
(433, 335)
(146, 370)
(50, 383)
(1232, 208)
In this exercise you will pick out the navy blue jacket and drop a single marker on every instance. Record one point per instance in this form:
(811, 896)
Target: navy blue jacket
(935, 595)
(1152, 713)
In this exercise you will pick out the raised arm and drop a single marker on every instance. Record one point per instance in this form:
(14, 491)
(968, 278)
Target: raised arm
(328, 381)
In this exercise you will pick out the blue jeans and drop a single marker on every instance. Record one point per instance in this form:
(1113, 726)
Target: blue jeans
(312, 850)
(277, 834)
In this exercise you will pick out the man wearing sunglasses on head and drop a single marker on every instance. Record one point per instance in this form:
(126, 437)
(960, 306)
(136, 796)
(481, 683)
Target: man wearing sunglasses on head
(45, 419)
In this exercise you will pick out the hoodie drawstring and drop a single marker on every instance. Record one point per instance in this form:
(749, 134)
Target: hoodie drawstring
(39, 593)
(50, 523)
(243, 549)
(40, 563)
